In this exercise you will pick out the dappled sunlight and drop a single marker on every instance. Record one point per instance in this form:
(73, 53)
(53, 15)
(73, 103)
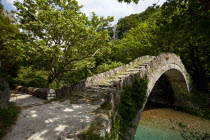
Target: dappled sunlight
(39, 135)
(76, 106)
(25, 100)
(33, 114)
(61, 128)
(51, 121)
(68, 110)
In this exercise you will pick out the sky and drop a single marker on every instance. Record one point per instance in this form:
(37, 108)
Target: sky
(104, 7)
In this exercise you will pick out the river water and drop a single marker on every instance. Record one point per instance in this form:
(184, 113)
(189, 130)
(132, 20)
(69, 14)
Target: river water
(170, 124)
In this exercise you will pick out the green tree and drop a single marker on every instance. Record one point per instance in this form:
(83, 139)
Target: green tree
(184, 28)
(66, 39)
(8, 59)
(139, 41)
(205, 3)
(133, 20)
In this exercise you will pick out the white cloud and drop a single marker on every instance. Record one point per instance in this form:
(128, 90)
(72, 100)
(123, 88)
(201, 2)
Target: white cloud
(8, 4)
(105, 7)
(114, 8)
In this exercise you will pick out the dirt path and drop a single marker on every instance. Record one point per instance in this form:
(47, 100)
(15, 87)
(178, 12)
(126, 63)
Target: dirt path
(49, 121)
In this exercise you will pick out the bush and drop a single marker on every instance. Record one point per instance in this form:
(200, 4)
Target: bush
(108, 66)
(30, 77)
(197, 103)
(8, 117)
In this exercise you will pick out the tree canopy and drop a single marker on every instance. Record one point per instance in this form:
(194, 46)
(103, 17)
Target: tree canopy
(8, 61)
(59, 45)
(181, 27)
(62, 38)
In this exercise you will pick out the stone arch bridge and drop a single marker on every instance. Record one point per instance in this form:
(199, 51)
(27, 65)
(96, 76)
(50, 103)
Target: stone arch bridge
(94, 102)
(103, 90)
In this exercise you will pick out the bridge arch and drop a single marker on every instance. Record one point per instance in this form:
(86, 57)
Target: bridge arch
(177, 77)
(170, 66)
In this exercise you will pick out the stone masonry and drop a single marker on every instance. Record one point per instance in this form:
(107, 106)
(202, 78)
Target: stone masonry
(104, 89)
(93, 101)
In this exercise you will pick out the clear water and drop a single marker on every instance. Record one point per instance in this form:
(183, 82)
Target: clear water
(156, 133)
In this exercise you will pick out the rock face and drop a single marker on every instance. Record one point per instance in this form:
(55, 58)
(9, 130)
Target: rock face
(115, 35)
(4, 93)
(9, 15)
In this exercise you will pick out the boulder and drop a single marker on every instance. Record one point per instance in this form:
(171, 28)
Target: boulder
(44, 93)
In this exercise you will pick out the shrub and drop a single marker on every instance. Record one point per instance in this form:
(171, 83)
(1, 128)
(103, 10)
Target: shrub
(30, 77)
(8, 117)
(108, 66)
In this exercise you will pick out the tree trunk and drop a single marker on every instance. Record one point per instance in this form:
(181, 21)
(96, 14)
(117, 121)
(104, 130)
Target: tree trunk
(4, 93)
(50, 79)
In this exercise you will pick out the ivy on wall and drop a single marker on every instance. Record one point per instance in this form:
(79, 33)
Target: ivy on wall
(131, 101)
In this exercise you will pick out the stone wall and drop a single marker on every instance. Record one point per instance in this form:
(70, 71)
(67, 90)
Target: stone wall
(44, 93)
(94, 79)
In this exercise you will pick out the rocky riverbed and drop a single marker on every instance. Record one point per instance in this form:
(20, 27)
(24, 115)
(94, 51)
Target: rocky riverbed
(170, 124)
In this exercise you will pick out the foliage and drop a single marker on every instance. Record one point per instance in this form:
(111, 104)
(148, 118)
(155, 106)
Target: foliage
(1, 7)
(131, 101)
(8, 117)
(30, 77)
(108, 66)
(133, 20)
(110, 31)
(198, 103)
(8, 57)
(129, 1)
(184, 29)
(205, 3)
(68, 37)
(180, 27)
(106, 60)
(73, 77)
(90, 134)
(139, 41)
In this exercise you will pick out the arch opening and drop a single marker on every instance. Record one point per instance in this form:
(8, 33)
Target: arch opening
(162, 93)
(169, 88)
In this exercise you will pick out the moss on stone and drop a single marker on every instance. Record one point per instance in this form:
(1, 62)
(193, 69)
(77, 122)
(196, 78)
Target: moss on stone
(93, 133)
(131, 101)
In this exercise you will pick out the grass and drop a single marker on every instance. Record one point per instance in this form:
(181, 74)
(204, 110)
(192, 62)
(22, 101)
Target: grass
(8, 117)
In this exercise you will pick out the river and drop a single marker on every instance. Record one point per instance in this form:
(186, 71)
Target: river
(170, 124)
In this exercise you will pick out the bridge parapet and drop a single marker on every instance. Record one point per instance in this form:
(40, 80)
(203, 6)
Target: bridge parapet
(94, 80)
